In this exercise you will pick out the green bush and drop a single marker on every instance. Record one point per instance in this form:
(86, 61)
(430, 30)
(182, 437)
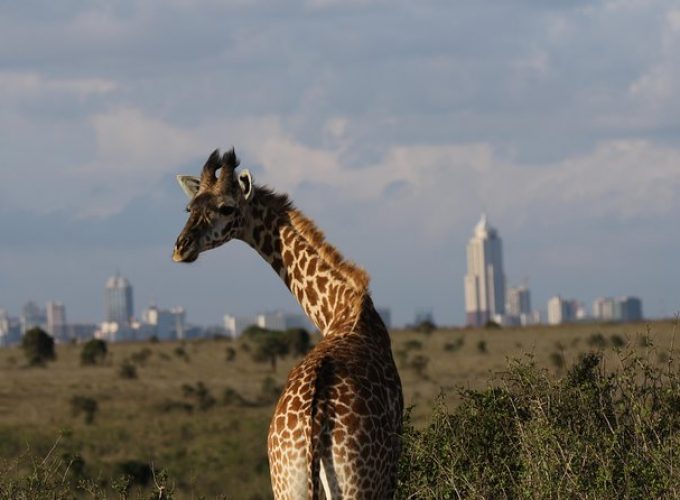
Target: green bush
(86, 406)
(597, 340)
(270, 347)
(93, 353)
(413, 344)
(200, 394)
(136, 471)
(586, 435)
(419, 364)
(127, 370)
(141, 357)
(38, 347)
(269, 391)
(299, 341)
(455, 345)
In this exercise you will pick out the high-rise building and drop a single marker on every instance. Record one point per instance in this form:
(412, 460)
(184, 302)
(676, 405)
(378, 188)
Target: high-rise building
(563, 311)
(118, 300)
(56, 320)
(519, 301)
(631, 309)
(623, 309)
(32, 316)
(165, 324)
(484, 281)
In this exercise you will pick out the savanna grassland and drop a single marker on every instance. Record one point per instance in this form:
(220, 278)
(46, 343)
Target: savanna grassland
(197, 412)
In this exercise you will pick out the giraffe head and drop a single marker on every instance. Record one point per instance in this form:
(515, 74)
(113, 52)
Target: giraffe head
(216, 206)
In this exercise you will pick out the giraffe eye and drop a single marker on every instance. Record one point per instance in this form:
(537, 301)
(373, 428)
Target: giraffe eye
(226, 209)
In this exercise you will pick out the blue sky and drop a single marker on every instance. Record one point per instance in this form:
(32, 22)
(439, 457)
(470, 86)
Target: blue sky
(392, 124)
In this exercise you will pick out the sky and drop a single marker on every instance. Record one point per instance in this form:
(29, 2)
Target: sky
(393, 124)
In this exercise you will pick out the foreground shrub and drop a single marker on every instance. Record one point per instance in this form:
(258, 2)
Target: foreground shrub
(38, 347)
(588, 434)
(93, 352)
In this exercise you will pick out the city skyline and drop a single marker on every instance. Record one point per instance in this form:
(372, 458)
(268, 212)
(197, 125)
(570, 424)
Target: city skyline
(392, 131)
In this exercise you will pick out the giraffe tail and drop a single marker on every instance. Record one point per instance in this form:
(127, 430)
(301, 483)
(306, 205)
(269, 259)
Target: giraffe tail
(316, 425)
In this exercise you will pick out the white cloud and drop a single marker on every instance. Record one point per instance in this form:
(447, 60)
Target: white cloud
(16, 84)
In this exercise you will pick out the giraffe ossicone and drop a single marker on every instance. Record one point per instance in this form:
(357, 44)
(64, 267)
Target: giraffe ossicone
(336, 427)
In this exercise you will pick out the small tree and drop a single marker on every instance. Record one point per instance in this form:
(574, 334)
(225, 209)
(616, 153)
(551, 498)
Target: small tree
(270, 347)
(38, 346)
(298, 341)
(93, 353)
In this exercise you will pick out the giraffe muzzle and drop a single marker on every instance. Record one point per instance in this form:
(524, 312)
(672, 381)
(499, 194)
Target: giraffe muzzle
(184, 251)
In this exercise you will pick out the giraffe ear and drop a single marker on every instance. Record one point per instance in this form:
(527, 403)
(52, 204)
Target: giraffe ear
(245, 180)
(189, 185)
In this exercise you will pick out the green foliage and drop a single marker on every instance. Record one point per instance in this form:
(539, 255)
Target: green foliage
(617, 341)
(231, 397)
(84, 405)
(199, 394)
(127, 370)
(136, 472)
(181, 353)
(299, 341)
(419, 364)
(557, 359)
(426, 327)
(141, 357)
(455, 345)
(269, 347)
(413, 344)
(38, 347)
(588, 434)
(231, 353)
(492, 325)
(481, 347)
(270, 391)
(597, 340)
(93, 353)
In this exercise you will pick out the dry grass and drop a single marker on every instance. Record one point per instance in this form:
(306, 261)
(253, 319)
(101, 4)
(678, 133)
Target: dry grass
(222, 449)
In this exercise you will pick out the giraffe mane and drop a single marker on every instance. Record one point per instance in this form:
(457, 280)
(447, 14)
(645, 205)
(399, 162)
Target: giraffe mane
(356, 276)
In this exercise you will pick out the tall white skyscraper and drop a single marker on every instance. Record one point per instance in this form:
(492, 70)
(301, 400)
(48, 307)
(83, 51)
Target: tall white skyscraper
(118, 300)
(484, 281)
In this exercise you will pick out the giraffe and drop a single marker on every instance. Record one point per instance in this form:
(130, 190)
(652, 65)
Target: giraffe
(335, 431)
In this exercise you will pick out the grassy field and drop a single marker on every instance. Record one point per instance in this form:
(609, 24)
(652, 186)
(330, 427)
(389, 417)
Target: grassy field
(202, 417)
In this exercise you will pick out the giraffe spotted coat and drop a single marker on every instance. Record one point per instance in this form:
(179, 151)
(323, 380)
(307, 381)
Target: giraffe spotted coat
(335, 430)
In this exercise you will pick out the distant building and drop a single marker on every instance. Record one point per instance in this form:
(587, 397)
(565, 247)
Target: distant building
(562, 311)
(165, 324)
(112, 331)
(56, 320)
(519, 301)
(81, 331)
(631, 309)
(485, 280)
(623, 309)
(118, 302)
(10, 329)
(32, 316)
(235, 325)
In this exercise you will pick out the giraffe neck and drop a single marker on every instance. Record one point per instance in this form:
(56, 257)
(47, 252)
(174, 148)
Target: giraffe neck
(330, 290)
